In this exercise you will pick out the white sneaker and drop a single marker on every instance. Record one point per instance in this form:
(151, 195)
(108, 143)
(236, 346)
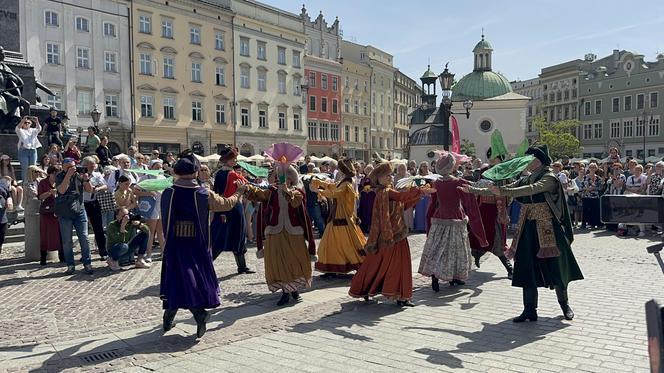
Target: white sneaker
(140, 263)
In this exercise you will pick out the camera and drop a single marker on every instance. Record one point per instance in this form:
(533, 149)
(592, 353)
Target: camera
(81, 170)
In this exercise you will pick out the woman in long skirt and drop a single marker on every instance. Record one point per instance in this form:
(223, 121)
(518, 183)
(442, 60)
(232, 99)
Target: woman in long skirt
(49, 229)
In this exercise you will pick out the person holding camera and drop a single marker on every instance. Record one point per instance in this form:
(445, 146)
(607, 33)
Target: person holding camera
(28, 130)
(70, 184)
(92, 206)
(54, 128)
(126, 235)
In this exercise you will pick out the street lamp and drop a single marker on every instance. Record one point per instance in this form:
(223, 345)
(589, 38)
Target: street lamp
(95, 114)
(446, 79)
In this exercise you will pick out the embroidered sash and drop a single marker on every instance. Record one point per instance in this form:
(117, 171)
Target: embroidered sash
(541, 214)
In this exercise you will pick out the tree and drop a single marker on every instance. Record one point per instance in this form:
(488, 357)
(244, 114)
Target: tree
(468, 148)
(559, 136)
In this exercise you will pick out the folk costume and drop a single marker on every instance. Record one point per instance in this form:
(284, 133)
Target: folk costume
(188, 279)
(284, 235)
(541, 247)
(494, 215)
(339, 249)
(365, 207)
(229, 227)
(387, 269)
(446, 255)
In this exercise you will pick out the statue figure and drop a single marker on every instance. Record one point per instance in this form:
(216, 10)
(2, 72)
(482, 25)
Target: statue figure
(12, 104)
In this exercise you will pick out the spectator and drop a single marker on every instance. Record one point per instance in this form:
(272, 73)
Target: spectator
(54, 128)
(31, 202)
(44, 162)
(572, 196)
(49, 228)
(92, 142)
(325, 167)
(92, 206)
(7, 172)
(616, 180)
(28, 130)
(55, 154)
(204, 177)
(631, 164)
(124, 195)
(304, 167)
(155, 155)
(591, 191)
(557, 168)
(124, 163)
(141, 162)
(103, 153)
(149, 207)
(126, 235)
(654, 180)
(169, 162)
(636, 184)
(313, 203)
(5, 205)
(132, 151)
(71, 213)
(71, 150)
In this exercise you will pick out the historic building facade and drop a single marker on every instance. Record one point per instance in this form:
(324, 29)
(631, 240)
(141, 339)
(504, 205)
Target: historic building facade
(183, 74)
(80, 50)
(269, 75)
(560, 91)
(406, 99)
(355, 110)
(530, 88)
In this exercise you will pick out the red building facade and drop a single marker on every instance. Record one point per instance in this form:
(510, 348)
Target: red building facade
(323, 106)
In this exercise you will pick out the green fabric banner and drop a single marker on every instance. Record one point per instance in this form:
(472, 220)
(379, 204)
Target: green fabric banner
(146, 172)
(523, 147)
(254, 170)
(156, 185)
(497, 145)
(508, 169)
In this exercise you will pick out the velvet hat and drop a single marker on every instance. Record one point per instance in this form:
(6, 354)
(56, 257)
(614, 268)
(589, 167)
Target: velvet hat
(382, 169)
(540, 152)
(227, 153)
(187, 164)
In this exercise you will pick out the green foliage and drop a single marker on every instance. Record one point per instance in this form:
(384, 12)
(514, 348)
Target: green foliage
(559, 136)
(467, 148)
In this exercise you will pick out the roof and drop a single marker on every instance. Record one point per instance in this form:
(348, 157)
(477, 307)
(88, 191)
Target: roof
(509, 96)
(482, 45)
(429, 74)
(480, 85)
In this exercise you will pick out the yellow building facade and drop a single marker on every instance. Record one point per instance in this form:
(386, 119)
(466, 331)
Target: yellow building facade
(182, 59)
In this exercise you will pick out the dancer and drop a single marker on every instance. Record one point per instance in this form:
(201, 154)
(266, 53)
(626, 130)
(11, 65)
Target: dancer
(284, 235)
(339, 249)
(446, 255)
(422, 206)
(228, 228)
(387, 266)
(541, 247)
(493, 211)
(367, 196)
(188, 279)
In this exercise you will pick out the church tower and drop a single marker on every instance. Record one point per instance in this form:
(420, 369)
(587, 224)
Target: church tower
(483, 51)
(429, 88)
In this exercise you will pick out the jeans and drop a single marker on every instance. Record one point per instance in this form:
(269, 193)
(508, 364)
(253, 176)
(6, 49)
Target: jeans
(54, 138)
(125, 251)
(80, 223)
(27, 158)
(317, 217)
(93, 211)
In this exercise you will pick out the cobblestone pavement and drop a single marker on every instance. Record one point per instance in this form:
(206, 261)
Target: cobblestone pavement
(111, 321)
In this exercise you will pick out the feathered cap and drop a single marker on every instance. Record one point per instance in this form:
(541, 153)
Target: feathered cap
(346, 167)
(284, 155)
(382, 169)
(227, 153)
(447, 160)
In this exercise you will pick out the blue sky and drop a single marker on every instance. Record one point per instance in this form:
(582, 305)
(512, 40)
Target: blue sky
(526, 35)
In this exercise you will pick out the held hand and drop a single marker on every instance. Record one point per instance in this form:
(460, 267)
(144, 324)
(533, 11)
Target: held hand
(241, 188)
(495, 190)
(428, 190)
(464, 188)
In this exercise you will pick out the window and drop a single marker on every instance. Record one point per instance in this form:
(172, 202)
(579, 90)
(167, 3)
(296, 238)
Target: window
(615, 105)
(262, 119)
(82, 58)
(169, 68)
(282, 83)
(356, 107)
(262, 80)
(357, 134)
(83, 102)
(312, 127)
(282, 120)
(346, 82)
(244, 47)
(244, 117)
(356, 83)
(109, 30)
(261, 52)
(296, 59)
(586, 108)
(366, 86)
(587, 131)
(653, 99)
(566, 95)
(219, 41)
(323, 104)
(281, 55)
(335, 106)
(296, 86)
(195, 35)
(312, 79)
(559, 96)
(110, 62)
(196, 72)
(335, 83)
(346, 105)
(628, 128)
(220, 75)
(312, 103)
(169, 107)
(220, 113)
(82, 24)
(566, 112)
(365, 135)
(347, 133)
(323, 81)
(51, 18)
(324, 131)
(145, 64)
(334, 132)
(196, 111)
(111, 104)
(573, 93)
(365, 108)
(653, 127)
(598, 107)
(145, 24)
(55, 100)
(381, 143)
(296, 122)
(640, 101)
(552, 97)
(598, 130)
(146, 106)
(639, 128)
(615, 130)
(167, 28)
(486, 126)
(628, 103)
(244, 77)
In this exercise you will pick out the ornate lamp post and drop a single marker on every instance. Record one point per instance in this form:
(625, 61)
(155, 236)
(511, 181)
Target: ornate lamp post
(95, 114)
(446, 79)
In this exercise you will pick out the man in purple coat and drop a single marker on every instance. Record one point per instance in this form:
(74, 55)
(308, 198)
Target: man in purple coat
(188, 279)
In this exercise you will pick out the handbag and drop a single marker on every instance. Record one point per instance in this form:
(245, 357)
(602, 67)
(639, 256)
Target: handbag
(106, 201)
(47, 206)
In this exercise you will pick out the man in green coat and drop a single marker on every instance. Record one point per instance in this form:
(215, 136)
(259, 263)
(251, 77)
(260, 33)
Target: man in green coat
(541, 247)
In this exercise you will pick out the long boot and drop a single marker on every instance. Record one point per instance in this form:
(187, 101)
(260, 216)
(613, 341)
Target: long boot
(508, 266)
(477, 254)
(434, 284)
(42, 259)
(202, 317)
(169, 316)
(529, 306)
(284, 299)
(241, 262)
(561, 293)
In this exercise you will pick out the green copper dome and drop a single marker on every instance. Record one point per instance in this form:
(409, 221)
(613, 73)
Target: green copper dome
(480, 85)
(482, 45)
(429, 74)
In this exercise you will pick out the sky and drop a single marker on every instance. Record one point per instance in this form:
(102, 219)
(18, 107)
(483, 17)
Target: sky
(526, 35)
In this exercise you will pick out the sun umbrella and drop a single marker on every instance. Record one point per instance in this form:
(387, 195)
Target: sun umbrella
(416, 180)
(256, 158)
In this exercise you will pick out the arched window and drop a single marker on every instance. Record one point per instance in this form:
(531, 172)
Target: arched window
(82, 24)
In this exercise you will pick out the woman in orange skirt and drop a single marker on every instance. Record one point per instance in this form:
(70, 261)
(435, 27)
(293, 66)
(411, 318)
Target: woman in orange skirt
(387, 267)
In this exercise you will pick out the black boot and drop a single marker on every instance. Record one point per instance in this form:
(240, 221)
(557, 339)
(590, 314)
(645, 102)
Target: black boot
(61, 256)
(296, 296)
(508, 266)
(477, 255)
(42, 259)
(202, 317)
(434, 284)
(169, 316)
(284, 299)
(405, 303)
(241, 262)
(529, 306)
(561, 293)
